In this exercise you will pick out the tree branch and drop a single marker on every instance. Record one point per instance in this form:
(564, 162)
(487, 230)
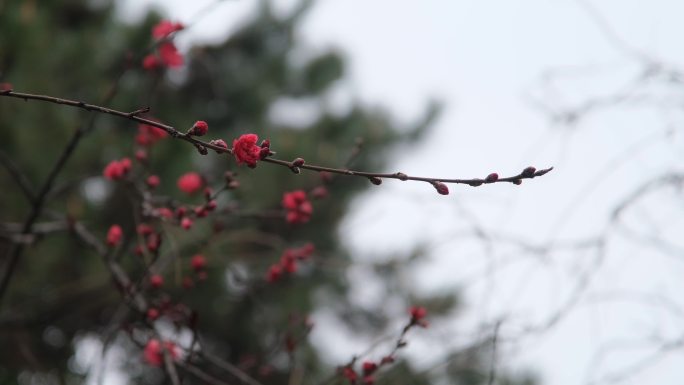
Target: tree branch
(375, 178)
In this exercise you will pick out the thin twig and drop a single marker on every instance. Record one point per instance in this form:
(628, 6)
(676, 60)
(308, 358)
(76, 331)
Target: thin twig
(19, 177)
(16, 252)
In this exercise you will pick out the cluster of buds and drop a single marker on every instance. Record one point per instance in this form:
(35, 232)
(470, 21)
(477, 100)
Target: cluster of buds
(117, 169)
(288, 262)
(297, 206)
(151, 239)
(370, 368)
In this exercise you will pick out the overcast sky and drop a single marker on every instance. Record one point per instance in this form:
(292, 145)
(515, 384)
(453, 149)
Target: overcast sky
(487, 61)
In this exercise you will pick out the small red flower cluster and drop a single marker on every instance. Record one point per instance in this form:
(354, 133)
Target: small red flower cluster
(152, 239)
(154, 352)
(298, 207)
(288, 262)
(190, 183)
(114, 235)
(117, 169)
(168, 54)
(369, 368)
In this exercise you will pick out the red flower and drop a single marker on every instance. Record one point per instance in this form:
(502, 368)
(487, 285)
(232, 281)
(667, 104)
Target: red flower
(298, 207)
(274, 274)
(190, 182)
(156, 281)
(152, 314)
(114, 235)
(117, 169)
(151, 62)
(303, 252)
(153, 242)
(369, 367)
(198, 262)
(186, 223)
(164, 28)
(154, 355)
(152, 181)
(349, 374)
(246, 150)
(169, 55)
(144, 229)
(149, 135)
(418, 313)
(288, 262)
(164, 212)
(200, 128)
(141, 155)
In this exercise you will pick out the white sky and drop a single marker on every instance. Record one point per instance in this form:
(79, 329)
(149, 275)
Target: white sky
(485, 59)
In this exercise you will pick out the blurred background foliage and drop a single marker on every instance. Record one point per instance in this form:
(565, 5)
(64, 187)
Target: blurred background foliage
(62, 293)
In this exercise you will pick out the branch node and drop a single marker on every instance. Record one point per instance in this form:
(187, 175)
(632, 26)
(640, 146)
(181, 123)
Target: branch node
(401, 176)
(143, 110)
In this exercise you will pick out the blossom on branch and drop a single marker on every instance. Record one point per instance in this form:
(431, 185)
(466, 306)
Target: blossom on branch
(149, 135)
(151, 62)
(198, 262)
(114, 235)
(298, 207)
(190, 183)
(164, 28)
(154, 352)
(117, 169)
(418, 314)
(169, 55)
(246, 150)
(200, 128)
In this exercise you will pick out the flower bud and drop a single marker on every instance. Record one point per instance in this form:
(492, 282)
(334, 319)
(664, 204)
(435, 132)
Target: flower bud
(200, 128)
(441, 188)
(156, 281)
(491, 178)
(528, 172)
